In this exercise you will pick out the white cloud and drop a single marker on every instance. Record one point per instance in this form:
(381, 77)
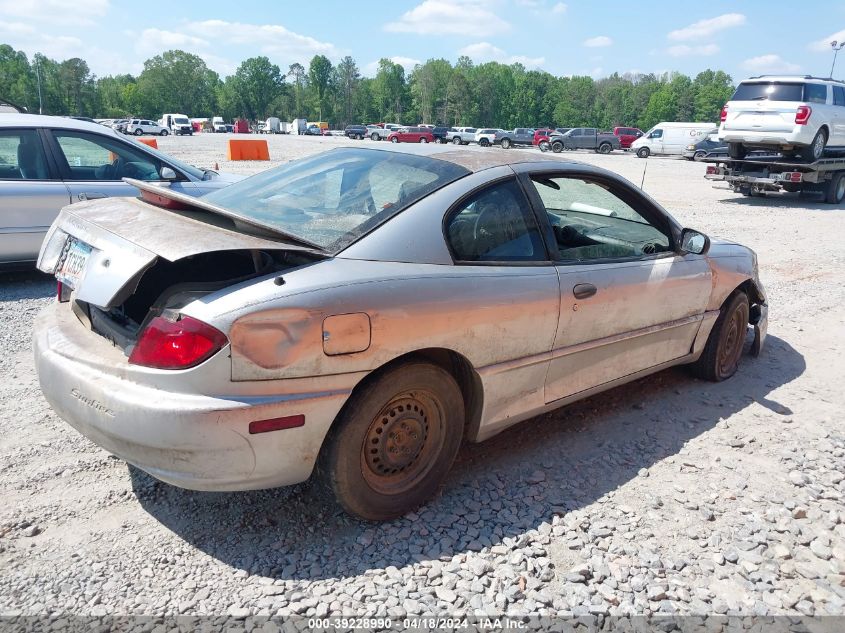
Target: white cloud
(443, 17)
(706, 28)
(486, 52)
(270, 39)
(407, 63)
(598, 41)
(823, 45)
(157, 40)
(55, 11)
(683, 50)
(770, 63)
(559, 8)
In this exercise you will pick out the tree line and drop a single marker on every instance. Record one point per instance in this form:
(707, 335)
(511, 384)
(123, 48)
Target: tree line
(487, 95)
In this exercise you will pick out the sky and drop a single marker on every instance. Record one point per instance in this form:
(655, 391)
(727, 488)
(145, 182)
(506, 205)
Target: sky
(576, 37)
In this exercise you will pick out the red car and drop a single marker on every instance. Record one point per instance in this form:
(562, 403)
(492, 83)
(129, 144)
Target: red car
(627, 135)
(542, 135)
(411, 135)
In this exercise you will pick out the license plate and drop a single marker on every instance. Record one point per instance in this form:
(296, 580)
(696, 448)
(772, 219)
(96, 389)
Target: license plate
(74, 262)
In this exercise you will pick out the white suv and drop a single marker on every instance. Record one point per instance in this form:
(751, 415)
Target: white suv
(143, 126)
(796, 115)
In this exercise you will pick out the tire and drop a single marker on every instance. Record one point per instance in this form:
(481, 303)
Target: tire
(557, 147)
(699, 155)
(484, 142)
(423, 140)
(394, 140)
(720, 358)
(643, 152)
(163, 133)
(393, 442)
(815, 150)
(834, 192)
(138, 132)
(456, 140)
(737, 151)
(604, 148)
(544, 146)
(506, 143)
(374, 136)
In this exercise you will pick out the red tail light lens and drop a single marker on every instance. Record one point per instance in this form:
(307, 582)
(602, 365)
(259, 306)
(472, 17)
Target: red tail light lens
(724, 114)
(166, 344)
(802, 115)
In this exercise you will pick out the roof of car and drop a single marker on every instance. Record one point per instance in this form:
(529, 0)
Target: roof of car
(471, 159)
(762, 78)
(41, 120)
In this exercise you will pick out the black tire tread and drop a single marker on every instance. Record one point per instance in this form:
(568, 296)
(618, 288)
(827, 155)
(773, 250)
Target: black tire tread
(705, 366)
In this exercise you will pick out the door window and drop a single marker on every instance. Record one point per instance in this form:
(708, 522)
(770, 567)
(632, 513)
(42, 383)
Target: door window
(95, 157)
(22, 156)
(656, 134)
(495, 225)
(590, 222)
(838, 96)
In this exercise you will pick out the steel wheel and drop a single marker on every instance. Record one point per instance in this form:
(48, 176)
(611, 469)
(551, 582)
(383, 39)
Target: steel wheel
(730, 347)
(394, 140)
(400, 441)
(720, 358)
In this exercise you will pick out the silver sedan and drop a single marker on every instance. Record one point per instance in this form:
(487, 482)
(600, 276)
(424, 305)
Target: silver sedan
(359, 313)
(48, 162)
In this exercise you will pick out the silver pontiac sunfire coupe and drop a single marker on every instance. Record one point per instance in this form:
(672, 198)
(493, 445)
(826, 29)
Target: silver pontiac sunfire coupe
(358, 313)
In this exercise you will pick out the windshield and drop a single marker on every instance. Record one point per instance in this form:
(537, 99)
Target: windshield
(332, 199)
(196, 172)
(772, 91)
(180, 119)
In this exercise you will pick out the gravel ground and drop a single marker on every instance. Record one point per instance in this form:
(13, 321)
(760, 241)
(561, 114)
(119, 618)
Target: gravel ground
(669, 495)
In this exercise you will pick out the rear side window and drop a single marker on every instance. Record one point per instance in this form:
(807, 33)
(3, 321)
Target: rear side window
(773, 91)
(22, 156)
(815, 93)
(838, 96)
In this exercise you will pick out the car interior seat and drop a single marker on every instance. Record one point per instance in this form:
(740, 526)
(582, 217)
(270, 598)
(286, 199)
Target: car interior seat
(31, 161)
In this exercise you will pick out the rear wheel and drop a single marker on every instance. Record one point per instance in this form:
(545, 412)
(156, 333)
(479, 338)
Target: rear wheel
(374, 136)
(643, 152)
(506, 143)
(723, 350)
(557, 147)
(835, 190)
(737, 151)
(423, 140)
(138, 132)
(394, 140)
(456, 140)
(394, 441)
(604, 148)
(815, 150)
(484, 142)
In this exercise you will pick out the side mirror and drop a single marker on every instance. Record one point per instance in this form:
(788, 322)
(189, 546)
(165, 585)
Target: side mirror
(167, 173)
(694, 242)
(639, 134)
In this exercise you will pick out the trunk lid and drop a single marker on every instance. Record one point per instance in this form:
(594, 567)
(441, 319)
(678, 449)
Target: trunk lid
(101, 248)
(761, 116)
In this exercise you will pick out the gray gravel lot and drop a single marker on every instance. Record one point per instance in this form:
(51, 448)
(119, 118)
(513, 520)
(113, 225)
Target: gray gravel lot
(669, 495)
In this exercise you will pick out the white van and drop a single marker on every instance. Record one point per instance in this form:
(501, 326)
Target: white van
(670, 139)
(177, 124)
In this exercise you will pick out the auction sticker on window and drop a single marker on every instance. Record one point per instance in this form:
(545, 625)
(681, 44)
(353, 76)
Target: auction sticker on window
(73, 265)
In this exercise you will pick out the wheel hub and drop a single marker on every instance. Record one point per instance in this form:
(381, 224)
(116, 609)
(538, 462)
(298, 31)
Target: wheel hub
(396, 437)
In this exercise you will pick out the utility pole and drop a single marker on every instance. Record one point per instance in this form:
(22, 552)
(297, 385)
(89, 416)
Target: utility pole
(836, 46)
(38, 76)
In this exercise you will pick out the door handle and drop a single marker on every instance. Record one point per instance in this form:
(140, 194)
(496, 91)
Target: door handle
(582, 291)
(90, 196)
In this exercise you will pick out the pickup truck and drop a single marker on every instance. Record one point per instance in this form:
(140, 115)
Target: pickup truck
(462, 135)
(380, 133)
(585, 138)
(518, 136)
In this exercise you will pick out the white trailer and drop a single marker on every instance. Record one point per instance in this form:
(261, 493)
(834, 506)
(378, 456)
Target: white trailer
(299, 126)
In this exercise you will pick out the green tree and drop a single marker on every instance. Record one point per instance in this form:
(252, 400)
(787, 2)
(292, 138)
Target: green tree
(116, 95)
(176, 81)
(78, 87)
(258, 83)
(296, 73)
(320, 74)
(347, 80)
(17, 78)
(712, 90)
(389, 91)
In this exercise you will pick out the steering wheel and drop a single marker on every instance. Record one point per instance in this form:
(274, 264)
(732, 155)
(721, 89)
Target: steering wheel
(118, 166)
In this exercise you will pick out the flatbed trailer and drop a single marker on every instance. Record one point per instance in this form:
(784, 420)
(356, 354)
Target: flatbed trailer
(758, 175)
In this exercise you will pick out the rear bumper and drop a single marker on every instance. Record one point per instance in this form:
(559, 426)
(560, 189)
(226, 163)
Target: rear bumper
(194, 441)
(802, 135)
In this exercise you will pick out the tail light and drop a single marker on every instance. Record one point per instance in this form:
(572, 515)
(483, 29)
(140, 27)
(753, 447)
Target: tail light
(170, 344)
(711, 169)
(724, 114)
(802, 115)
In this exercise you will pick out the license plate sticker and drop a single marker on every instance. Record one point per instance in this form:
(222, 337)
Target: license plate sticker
(73, 266)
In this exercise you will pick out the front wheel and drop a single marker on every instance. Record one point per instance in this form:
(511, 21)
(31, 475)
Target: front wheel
(643, 152)
(394, 441)
(557, 147)
(544, 146)
(699, 155)
(164, 133)
(737, 151)
(506, 143)
(423, 140)
(394, 140)
(720, 358)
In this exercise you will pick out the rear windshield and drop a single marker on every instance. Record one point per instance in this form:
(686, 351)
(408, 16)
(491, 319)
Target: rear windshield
(769, 90)
(332, 199)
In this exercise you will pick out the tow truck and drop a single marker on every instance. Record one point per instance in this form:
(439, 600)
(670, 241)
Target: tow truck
(760, 175)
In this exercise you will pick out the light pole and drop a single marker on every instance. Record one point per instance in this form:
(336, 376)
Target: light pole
(836, 46)
(38, 76)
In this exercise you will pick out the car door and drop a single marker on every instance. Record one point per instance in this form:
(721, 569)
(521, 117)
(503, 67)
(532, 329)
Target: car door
(656, 141)
(629, 301)
(838, 109)
(93, 165)
(494, 238)
(31, 193)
